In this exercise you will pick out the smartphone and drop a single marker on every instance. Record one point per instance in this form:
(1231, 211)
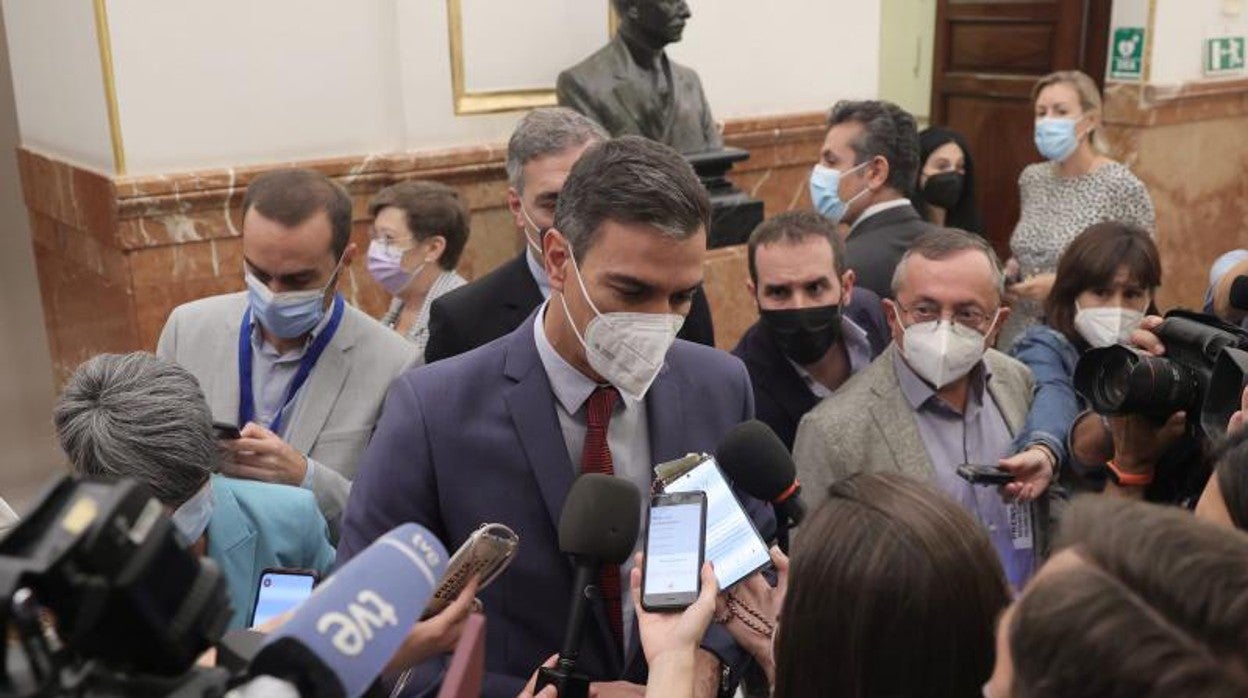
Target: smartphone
(984, 474)
(226, 431)
(280, 590)
(675, 547)
(732, 542)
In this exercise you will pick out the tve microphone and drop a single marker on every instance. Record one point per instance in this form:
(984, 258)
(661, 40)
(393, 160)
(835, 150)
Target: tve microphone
(339, 640)
(598, 525)
(756, 460)
(1239, 293)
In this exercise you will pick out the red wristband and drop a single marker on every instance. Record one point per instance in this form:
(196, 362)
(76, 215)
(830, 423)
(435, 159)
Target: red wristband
(1127, 479)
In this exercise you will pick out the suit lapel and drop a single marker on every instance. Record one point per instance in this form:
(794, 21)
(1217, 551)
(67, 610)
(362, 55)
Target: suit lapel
(232, 543)
(325, 383)
(781, 379)
(222, 394)
(895, 421)
(665, 416)
(1013, 411)
(531, 402)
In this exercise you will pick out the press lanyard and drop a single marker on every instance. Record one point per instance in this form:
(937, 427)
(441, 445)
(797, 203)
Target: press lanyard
(246, 399)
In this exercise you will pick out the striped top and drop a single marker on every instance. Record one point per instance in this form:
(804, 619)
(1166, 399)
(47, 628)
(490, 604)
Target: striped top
(418, 334)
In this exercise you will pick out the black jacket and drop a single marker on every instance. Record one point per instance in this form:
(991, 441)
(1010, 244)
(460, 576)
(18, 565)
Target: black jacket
(780, 395)
(876, 245)
(498, 302)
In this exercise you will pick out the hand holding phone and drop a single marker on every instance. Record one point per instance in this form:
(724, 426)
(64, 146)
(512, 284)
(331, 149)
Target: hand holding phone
(986, 475)
(675, 547)
(226, 431)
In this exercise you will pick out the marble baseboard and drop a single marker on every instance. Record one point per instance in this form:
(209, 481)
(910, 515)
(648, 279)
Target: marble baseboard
(1189, 145)
(116, 254)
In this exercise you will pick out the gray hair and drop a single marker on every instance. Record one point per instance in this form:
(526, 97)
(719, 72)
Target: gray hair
(547, 131)
(944, 243)
(138, 416)
(632, 180)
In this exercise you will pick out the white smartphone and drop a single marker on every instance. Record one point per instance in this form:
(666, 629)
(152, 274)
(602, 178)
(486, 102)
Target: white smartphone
(675, 543)
(732, 543)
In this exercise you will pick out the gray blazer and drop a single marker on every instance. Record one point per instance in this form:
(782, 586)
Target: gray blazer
(339, 405)
(868, 426)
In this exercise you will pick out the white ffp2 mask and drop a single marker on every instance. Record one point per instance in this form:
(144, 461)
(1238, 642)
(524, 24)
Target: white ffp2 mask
(1104, 327)
(626, 349)
(942, 351)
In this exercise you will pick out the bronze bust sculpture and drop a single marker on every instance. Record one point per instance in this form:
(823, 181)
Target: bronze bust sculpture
(630, 85)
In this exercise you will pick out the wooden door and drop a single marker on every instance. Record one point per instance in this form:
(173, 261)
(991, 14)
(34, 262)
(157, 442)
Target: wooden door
(987, 57)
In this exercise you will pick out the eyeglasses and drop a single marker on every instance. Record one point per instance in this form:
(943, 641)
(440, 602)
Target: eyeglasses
(388, 245)
(967, 316)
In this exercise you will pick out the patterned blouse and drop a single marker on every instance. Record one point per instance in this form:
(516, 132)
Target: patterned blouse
(1055, 210)
(446, 282)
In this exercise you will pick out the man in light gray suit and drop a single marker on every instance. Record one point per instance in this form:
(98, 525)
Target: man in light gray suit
(301, 372)
(937, 398)
(630, 86)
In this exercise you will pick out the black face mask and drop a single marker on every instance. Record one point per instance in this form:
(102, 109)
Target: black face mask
(804, 334)
(943, 190)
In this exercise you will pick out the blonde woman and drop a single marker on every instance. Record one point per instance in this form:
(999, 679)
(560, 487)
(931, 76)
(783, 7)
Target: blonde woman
(1077, 186)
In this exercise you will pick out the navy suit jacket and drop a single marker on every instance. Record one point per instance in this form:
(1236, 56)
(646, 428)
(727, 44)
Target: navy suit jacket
(475, 439)
(780, 395)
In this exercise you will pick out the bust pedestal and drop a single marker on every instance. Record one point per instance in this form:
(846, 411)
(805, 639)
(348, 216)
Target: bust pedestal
(734, 214)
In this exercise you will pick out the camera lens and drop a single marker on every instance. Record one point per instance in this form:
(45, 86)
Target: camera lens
(1116, 380)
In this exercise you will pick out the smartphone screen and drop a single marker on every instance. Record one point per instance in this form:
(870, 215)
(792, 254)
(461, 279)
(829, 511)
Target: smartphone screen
(673, 564)
(280, 591)
(732, 543)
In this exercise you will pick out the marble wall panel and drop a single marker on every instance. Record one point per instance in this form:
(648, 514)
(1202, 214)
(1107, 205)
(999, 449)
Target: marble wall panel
(117, 254)
(1190, 148)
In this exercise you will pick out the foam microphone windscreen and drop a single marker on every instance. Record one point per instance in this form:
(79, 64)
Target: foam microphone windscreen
(600, 518)
(1239, 293)
(756, 460)
(340, 639)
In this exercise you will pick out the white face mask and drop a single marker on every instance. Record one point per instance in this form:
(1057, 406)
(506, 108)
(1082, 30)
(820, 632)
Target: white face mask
(191, 519)
(942, 351)
(1103, 327)
(626, 349)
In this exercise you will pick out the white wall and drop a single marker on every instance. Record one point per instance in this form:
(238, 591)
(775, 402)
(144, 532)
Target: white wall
(907, 35)
(757, 58)
(232, 82)
(57, 80)
(1180, 29)
(30, 451)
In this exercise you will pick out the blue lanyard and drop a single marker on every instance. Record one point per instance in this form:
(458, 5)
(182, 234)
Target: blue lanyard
(246, 399)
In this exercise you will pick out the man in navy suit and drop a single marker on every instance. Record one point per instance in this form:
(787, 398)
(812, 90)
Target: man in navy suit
(815, 329)
(594, 376)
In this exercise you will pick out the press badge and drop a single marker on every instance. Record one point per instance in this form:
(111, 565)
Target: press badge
(1020, 525)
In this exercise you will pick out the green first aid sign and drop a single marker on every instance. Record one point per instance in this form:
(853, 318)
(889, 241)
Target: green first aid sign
(1126, 54)
(1224, 55)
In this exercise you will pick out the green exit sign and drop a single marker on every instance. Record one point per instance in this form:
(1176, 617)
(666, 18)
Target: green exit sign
(1224, 55)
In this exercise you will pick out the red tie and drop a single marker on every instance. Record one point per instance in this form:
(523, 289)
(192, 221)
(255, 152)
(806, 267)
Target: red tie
(596, 458)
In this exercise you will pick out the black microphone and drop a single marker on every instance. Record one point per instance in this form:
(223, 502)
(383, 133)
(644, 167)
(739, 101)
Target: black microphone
(1239, 293)
(598, 525)
(757, 461)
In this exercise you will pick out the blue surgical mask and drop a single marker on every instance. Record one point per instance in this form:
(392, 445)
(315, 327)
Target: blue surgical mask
(288, 314)
(191, 519)
(825, 184)
(1056, 139)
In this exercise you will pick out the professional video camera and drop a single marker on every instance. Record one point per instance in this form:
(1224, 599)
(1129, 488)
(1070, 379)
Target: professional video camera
(103, 600)
(1202, 373)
